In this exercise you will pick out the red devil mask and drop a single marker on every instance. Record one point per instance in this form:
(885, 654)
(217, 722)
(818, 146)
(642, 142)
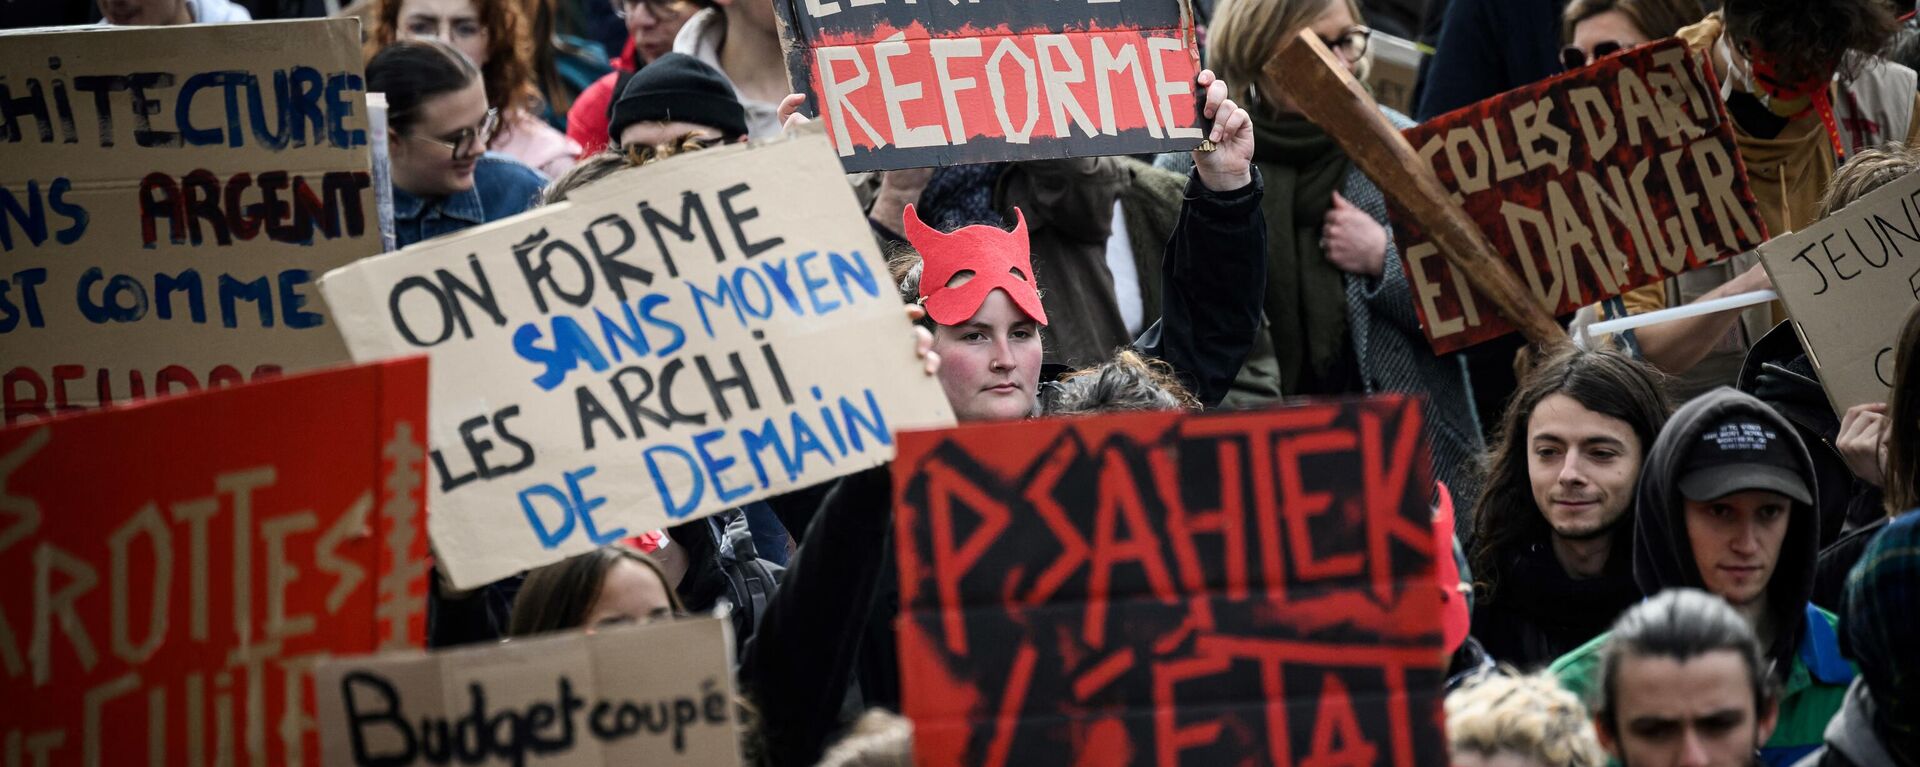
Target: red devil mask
(995, 257)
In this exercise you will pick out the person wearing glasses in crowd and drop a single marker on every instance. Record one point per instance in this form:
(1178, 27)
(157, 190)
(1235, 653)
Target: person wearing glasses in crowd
(494, 36)
(651, 28)
(1339, 310)
(438, 126)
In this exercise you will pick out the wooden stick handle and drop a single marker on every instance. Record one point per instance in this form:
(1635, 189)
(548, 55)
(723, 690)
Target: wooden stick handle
(1322, 89)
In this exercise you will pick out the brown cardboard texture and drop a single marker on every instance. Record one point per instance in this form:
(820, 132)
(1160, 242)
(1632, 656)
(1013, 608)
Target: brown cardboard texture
(1848, 286)
(655, 694)
(678, 339)
(167, 198)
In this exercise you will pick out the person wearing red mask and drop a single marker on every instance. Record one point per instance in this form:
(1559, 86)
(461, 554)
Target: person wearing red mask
(1805, 91)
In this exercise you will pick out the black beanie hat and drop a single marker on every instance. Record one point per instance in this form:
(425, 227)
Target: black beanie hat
(679, 88)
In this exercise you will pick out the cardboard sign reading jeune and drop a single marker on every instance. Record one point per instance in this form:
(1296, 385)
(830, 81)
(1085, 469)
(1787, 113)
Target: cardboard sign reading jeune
(903, 85)
(1171, 589)
(653, 694)
(172, 569)
(1848, 286)
(1588, 184)
(696, 334)
(167, 197)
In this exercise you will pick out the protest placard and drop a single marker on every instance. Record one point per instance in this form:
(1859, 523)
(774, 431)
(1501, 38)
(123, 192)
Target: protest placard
(1848, 286)
(1393, 72)
(170, 570)
(167, 197)
(1172, 589)
(1588, 184)
(700, 333)
(655, 694)
(905, 84)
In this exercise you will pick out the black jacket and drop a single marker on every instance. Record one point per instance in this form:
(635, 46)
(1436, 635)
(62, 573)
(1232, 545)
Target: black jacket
(1539, 613)
(1777, 371)
(832, 621)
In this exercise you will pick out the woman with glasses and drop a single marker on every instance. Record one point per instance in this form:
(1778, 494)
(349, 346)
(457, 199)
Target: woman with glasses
(1596, 29)
(609, 586)
(651, 27)
(494, 35)
(1338, 307)
(438, 126)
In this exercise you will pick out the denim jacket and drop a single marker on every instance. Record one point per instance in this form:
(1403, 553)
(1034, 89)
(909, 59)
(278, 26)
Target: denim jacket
(501, 187)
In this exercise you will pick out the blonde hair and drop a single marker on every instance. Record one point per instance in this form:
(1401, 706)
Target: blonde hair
(612, 159)
(879, 739)
(1246, 34)
(1530, 716)
(1867, 170)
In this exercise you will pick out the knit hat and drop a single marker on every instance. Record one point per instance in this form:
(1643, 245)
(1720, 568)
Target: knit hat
(679, 88)
(1879, 628)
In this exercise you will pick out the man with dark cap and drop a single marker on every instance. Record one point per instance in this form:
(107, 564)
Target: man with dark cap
(1880, 630)
(675, 96)
(1726, 504)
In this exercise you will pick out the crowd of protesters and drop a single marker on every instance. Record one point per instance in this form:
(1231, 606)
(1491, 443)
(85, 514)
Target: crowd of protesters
(1674, 551)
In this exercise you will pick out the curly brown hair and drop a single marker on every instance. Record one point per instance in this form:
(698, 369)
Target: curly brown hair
(1808, 39)
(507, 76)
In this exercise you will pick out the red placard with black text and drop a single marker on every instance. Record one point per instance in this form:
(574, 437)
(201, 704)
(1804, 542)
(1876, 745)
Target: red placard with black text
(170, 570)
(905, 85)
(1172, 589)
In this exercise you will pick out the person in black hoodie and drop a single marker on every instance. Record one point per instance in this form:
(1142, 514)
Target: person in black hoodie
(1550, 557)
(1725, 504)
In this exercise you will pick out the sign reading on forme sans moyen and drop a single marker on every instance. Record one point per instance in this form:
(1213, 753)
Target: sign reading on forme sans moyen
(915, 84)
(700, 333)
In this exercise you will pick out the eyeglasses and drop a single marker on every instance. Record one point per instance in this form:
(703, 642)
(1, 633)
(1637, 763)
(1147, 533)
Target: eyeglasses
(1572, 57)
(468, 141)
(659, 9)
(1352, 42)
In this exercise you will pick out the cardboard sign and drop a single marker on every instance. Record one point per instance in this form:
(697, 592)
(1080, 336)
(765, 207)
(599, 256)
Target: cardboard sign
(1394, 70)
(905, 84)
(654, 694)
(1589, 184)
(169, 571)
(697, 334)
(1848, 286)
(1168, 589)
(168, 195)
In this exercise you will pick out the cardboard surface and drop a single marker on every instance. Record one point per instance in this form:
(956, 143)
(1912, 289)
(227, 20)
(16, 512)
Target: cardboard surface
(683, 338)
(167, 198)
(904, 85)
(654, 694)
(1170, 589)
(169, 571)
(1589, 184)
(1848, 285)
(1395, 68)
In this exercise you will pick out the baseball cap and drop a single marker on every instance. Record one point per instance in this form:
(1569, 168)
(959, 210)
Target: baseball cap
(1742, 453)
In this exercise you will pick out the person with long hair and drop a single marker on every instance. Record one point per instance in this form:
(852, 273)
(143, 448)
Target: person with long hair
(494, 36)
(438, 124)
(1550, 557)
(1338, 304)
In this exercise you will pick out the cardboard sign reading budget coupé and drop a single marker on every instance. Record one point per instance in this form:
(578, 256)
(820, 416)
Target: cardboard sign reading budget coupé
(675, 340)
(903, 85)
(168, 195)
(170, 571)
(638, 695)
(1849, 285)
(1170, 589)
(1589, 184)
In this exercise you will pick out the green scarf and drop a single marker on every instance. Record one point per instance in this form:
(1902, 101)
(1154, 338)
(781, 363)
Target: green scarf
(1306, 295)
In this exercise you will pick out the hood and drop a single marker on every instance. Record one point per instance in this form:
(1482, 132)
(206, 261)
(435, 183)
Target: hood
(1778, 372)
(1662, 552)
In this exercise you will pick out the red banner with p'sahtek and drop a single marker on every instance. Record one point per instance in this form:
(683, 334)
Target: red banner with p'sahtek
(171, 570)
(1588, 185)
(1172, 589)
